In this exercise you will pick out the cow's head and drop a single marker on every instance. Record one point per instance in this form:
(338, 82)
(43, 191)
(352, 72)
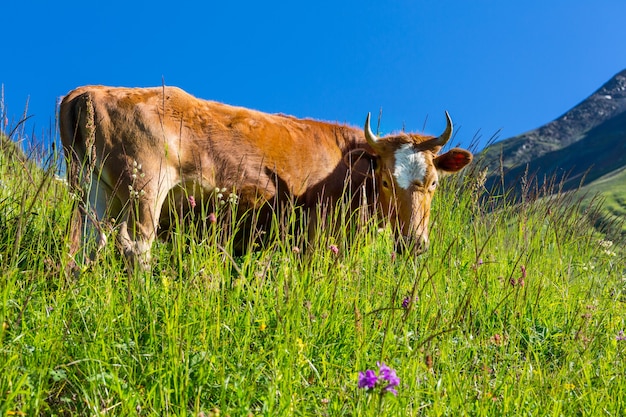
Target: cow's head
(408, 169)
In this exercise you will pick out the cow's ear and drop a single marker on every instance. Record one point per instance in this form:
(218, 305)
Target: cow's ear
(453, 161)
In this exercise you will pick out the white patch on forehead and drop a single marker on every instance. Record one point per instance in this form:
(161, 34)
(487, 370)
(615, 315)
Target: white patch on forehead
(410, 166)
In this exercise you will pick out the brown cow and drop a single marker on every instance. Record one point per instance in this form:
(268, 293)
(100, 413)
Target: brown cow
(131, 152)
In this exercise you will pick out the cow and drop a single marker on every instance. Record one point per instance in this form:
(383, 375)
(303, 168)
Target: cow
(133, 153)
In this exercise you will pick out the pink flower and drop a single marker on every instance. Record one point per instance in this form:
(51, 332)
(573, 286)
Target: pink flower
(192, 201)
(212, 218)
(334, 249)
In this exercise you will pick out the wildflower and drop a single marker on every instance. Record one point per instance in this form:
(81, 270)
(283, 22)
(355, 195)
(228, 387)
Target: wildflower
(212, 218)
(165, 281)
(521, 282)
(137, 170)
(334, 249)
(497, 339)
(386, 379)
(192, 201)
(406, 300)
(367, 379)
(134, 193)
(390, 376)
(620, 336)
(479, 262)
(295, 250)
(301, 347)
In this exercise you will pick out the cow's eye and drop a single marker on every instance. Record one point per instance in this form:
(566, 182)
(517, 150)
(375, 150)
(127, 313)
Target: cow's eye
(385, 183)
(433, 185)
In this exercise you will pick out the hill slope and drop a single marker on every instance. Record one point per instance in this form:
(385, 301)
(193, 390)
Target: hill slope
(591, 120)
(585, 147)
(611, 189)
(579, 138)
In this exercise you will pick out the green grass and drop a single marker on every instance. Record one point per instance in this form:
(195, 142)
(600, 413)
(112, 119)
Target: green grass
(277, 332)
(611, 190)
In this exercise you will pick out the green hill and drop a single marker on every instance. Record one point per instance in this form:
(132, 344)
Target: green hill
(611, 189)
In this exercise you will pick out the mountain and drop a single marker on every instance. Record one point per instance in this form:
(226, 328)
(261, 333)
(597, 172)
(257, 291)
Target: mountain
(586, 146)
(587, 142)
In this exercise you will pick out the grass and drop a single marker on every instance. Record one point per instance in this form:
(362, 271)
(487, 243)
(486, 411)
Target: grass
(514, 311)
(612, 190)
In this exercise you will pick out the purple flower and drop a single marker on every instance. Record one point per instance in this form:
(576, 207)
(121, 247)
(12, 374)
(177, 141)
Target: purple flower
(334, 249)
(406, 301)
(390, 376)
(620, 336)
(367, 379)
(386, 379)
(523, 269)
(192, 201)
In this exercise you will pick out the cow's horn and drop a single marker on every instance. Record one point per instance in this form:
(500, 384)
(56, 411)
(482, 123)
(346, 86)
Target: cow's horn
(447, 134)
(371, 138)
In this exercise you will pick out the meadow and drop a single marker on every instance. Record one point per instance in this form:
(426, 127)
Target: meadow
(516, 309)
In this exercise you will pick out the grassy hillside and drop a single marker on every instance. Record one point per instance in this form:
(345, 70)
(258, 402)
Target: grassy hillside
(610, 192)
(519, 311)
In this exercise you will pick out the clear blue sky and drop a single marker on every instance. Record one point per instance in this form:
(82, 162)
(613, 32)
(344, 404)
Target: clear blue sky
(492, 64)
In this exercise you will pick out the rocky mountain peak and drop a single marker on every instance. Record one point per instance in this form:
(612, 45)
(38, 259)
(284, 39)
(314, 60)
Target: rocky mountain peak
(604, 104)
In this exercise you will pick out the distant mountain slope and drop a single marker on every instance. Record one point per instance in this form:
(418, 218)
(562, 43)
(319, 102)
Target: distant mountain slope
(587, 142)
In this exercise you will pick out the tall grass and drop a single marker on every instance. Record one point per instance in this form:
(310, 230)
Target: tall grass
(515, 310)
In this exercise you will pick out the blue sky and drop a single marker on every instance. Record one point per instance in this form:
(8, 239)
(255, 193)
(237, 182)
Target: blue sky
(492, 64)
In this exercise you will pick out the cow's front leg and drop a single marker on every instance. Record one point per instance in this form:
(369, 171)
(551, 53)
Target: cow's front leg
(135, 245)
(137, 233)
